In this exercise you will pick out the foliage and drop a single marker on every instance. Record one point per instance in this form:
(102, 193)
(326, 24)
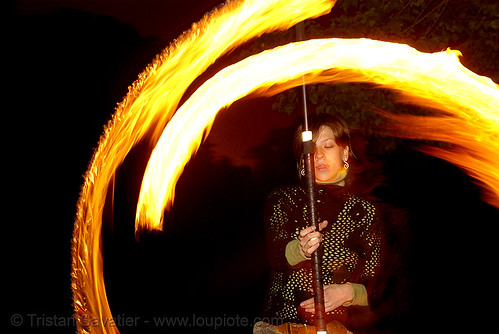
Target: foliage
(428, 25)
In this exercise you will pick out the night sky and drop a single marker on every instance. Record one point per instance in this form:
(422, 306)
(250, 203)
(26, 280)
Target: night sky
(68, 64)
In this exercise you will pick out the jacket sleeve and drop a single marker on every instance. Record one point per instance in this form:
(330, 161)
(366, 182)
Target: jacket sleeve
(374, 275)
(277, 218)
(373, 244)
(366, 240)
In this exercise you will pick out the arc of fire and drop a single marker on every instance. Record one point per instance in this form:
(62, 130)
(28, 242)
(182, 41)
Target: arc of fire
(439, 81)
(435, 80)
(148, 106)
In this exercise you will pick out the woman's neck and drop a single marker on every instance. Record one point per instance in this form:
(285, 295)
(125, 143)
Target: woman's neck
(339, 180)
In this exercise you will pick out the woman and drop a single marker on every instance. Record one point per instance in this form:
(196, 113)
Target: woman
(349, 237)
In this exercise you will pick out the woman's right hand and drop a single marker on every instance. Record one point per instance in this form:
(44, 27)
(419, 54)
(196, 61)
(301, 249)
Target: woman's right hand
(310, 239)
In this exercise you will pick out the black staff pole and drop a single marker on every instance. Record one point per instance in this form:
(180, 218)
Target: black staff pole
(308, 154)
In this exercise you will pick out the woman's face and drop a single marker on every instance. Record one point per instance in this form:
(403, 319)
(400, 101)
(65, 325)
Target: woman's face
(329, 157)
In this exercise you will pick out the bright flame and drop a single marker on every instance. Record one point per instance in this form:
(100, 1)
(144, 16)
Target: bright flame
(146, 109)
(436, 80)
(430, 79)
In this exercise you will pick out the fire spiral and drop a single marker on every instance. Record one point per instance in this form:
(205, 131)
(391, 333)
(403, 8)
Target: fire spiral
(468, 117)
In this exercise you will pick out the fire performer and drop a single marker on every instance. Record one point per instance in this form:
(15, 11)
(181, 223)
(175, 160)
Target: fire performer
(349, 239)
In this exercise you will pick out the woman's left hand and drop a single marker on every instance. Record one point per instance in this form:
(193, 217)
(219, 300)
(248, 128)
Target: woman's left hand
(335, 295)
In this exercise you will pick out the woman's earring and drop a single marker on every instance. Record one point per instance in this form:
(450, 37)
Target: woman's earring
(346, 165)
(302, 172)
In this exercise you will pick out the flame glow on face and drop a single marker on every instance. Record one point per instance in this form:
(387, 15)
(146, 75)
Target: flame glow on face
(469, 118)
(329, 158)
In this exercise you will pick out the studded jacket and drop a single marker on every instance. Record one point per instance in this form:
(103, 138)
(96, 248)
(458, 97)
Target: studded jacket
(351, 248)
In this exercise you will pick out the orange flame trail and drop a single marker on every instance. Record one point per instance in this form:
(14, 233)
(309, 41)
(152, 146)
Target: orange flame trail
(469, 105)
(436, 80)
(148, 106)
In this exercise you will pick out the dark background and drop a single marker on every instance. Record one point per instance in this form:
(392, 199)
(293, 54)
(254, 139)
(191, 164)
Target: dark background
(69, 63)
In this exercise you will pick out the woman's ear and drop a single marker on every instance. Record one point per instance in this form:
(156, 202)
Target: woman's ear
(346, 152)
